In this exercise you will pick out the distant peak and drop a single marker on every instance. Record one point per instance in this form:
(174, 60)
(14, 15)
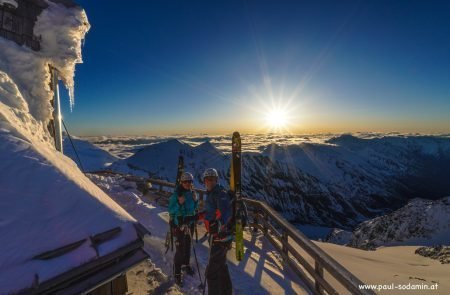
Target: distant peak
(271, 148)
(345, 139)
(173, 141)
(207, 146)
(170, 146)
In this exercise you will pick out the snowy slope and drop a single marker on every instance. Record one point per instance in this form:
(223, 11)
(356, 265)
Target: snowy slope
(261, 271)
(45, 201)
(397, 265)
(92, 157)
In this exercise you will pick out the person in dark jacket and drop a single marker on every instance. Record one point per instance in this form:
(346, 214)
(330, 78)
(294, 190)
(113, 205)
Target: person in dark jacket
(217, 274)
(183, 205)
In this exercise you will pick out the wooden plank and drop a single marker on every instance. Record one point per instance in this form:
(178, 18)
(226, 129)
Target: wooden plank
(301, 274)
(285, 242)
(347, 279)
(319, 273)
(274, 231)
(302, 261)
(293, 266)
(120, 286)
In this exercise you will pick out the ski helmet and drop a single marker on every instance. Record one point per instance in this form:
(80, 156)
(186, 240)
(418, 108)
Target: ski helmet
(210, 172)
(186, 176)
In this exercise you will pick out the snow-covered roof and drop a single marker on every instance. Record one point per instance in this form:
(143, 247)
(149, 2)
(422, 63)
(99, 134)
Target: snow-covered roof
(53, 220)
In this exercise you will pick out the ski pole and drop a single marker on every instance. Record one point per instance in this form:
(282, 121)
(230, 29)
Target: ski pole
(167, 243)
(196, 233)
(171, 238)
(196, 262)
(207, 266)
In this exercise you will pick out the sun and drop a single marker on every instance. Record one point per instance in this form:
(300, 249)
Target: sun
(277, 119)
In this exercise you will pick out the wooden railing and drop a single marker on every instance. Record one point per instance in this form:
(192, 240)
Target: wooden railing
(288, 241)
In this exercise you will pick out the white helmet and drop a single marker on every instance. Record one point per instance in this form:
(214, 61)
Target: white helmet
(210, 172)
(10, 3)
(186, 176)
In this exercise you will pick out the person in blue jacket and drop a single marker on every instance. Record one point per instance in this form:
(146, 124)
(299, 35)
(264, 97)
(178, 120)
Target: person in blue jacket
(220, 230)
(183, 206)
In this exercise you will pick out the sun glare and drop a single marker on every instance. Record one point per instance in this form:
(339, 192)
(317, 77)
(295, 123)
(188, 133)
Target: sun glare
(276, 119)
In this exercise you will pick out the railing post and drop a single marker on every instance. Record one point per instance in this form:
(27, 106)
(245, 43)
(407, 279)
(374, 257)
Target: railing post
(160, 187)
(265, 223)
(285, 241)
(255, 220)
(319, 272)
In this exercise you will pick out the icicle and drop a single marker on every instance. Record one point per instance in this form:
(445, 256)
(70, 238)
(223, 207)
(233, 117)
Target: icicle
(71, 97)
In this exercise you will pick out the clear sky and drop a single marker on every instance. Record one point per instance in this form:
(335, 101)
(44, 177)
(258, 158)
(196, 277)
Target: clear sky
(166, 67)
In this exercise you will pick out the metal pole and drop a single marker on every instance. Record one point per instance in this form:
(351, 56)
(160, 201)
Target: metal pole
(57, 111)
(196, 260)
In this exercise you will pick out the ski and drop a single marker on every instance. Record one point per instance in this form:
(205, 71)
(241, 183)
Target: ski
(180, 168)
(235, 187)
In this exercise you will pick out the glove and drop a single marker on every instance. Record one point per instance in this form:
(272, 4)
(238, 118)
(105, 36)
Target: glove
(201, 215)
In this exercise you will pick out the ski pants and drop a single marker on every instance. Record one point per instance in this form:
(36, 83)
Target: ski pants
(217, 275)
(183, 246)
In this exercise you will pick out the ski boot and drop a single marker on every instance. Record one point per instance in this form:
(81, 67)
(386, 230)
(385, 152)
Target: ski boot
(179, 280)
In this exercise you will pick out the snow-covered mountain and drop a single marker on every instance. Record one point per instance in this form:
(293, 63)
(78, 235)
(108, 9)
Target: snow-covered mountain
(420, 222)
(92, 157)
(339, 183)
(161, 160)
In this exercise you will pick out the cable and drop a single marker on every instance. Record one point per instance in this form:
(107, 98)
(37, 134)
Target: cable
(73, 146)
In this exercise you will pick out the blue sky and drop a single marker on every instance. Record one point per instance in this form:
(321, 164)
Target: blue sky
(166, 67)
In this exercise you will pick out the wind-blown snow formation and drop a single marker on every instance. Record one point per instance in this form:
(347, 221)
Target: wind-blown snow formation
(45, 200)
(62, 31)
